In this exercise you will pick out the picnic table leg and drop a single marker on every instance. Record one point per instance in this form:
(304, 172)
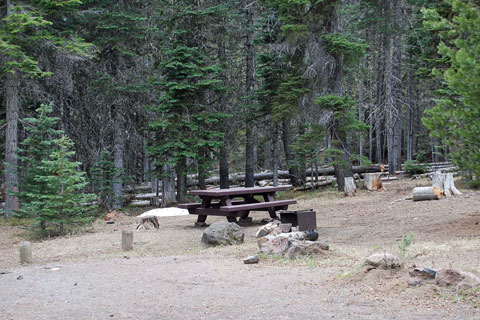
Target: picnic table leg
(201, 221)
(227, 201)
(267, 197)
(206, 201)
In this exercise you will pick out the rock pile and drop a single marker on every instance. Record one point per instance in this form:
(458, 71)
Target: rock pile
(462, 280)
(282, 239)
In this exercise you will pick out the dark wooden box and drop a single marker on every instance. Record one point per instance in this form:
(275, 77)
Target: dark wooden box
(304, 219)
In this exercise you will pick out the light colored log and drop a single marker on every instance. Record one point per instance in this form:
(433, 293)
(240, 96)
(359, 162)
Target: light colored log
(427, 193)
(350, 187)
(25, 252)
(373, 181)
(127, 240)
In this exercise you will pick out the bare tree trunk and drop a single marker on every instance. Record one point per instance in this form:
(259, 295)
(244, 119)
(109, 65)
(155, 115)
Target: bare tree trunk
(393, 88)
(290, 157)
(202, 173)
(409, 116)
(267, 163)
(12, 85)
(276, 157)
(168, 186)
(118, 155)
(146, 161)
(180, 169)
(223, 154)
(249, 133)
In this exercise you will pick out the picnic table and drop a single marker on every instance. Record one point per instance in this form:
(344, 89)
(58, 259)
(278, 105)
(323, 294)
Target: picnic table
(235, 203)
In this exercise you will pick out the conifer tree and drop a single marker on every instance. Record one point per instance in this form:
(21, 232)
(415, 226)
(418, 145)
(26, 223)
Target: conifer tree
(456, 117)
(26, 27)
(50, 183)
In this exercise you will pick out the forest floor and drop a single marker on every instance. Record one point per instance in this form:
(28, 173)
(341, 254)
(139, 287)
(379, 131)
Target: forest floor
(169, 274)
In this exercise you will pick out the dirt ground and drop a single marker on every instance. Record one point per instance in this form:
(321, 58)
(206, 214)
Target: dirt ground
(169, 274)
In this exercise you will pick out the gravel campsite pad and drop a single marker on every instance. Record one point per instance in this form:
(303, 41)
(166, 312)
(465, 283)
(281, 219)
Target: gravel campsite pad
(171, 275)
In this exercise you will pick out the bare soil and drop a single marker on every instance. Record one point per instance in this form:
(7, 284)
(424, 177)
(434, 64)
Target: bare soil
(169, 274)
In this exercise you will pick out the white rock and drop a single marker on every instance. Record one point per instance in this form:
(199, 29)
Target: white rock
(383, 261)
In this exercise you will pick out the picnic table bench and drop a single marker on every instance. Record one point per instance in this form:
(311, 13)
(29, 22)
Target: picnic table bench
(224, 202)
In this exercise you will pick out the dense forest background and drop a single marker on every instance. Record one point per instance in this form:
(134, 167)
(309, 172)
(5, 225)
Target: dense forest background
(162, 89)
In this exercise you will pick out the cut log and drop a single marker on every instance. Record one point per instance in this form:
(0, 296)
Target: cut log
(427, 193)
(373, 181)
(350, 187)
(449, 186)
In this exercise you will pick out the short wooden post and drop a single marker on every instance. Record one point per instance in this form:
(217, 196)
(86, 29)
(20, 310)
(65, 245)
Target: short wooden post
(127, 240)
(25, 252)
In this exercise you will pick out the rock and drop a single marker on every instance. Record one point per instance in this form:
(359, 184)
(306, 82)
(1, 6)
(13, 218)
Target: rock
(298, 248)
(273, 244)
(223, 233)
(414, 282)
(451, 277)
(251, 260)
(267, 229)
(311, 235)
(383, 261)
(295, 229)
(285, 227)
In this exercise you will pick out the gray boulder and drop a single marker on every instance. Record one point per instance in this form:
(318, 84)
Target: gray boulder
(223, 233)
(383, 261)
(273, 244)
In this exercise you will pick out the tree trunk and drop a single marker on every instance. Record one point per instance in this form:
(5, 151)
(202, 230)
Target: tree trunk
(289, 156)
(180, 169)
(409, 115)
(223, 154)
(249, 133)
(146, 162)
(393, 88)
(276, 157)
(168, 186)
(202, 172)
(12, 85)
(118, 155)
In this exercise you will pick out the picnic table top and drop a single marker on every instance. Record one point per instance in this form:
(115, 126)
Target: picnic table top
(235, 191)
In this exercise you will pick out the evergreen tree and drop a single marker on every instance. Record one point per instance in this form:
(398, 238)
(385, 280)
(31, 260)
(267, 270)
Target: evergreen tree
(26, 27)
(456, 117)
(185, 121)
(51, 184)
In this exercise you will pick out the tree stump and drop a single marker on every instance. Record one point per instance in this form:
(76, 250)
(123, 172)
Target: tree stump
(427, 193)
(127, 240)
(445, 182)
(350, 187)
(373, 181)
(25, 252)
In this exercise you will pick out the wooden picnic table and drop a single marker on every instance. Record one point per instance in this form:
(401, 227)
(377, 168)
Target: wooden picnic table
(235, 203)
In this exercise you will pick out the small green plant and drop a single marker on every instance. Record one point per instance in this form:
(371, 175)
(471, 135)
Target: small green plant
(404, 244)
(414, 167)
(103, 176)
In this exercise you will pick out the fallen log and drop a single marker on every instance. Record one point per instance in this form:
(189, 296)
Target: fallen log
(426, 193)
(315, 185)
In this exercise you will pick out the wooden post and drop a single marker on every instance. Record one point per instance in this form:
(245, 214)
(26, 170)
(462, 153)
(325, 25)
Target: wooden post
(25, 252)
(127, 240)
